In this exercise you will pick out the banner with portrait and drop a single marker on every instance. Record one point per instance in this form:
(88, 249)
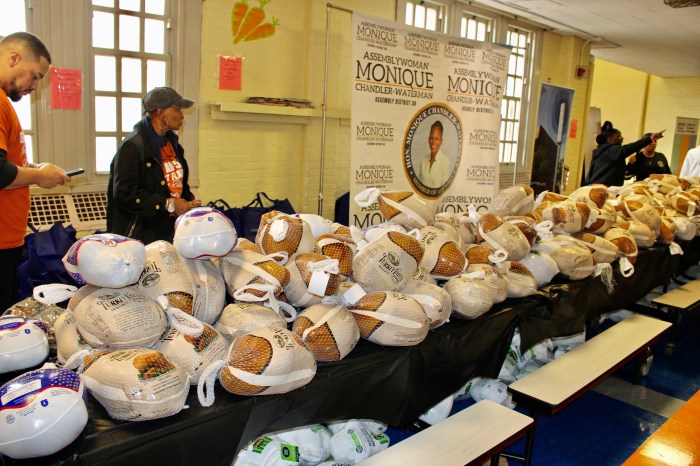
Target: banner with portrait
(425, 116)
(684, 138)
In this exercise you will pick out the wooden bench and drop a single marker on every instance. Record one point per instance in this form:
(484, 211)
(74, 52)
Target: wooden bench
(470, 436)
(552, 387)
(675, 442)
(683, 298)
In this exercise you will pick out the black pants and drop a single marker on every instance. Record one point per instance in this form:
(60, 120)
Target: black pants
(9, 279)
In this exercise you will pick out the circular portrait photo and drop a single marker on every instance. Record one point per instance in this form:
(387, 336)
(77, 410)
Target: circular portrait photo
(432, 149)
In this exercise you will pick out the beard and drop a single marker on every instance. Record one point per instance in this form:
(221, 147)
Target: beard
(13, 93)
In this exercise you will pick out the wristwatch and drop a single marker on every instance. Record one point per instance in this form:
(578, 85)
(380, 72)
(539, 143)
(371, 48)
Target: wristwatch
(170, 205)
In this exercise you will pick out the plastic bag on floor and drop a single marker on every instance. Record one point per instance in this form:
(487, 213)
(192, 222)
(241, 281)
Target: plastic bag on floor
(439, 412)
(268, 451)
(465, 392)
(571, 341)
(491, 389)
(510, 367)
(542, 350)
(374, 426)
(531, 366)
(314, 443)
(355, 442)
(619, 316)
(655, 293)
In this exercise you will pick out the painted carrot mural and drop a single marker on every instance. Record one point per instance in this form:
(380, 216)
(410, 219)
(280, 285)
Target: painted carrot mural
(237, 14)
(263, 31)
(247, 23)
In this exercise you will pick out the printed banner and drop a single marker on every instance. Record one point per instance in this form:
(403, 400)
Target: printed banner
(425, 116)
(550, 145)
(684, 139)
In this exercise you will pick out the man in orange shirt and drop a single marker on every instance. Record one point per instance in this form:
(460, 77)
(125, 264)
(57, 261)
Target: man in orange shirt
(24, 61)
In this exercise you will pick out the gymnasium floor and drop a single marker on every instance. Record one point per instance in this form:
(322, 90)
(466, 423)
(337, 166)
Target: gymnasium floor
(605, 426)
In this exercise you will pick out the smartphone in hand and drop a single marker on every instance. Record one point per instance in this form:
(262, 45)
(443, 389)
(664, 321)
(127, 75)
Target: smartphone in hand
(75, 171)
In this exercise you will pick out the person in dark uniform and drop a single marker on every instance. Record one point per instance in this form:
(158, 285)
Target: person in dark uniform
(608, 163)
(647, 162)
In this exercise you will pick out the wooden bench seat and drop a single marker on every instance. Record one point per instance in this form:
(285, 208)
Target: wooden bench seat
(675, 442)
(683, 298)
(470, 436)
(552, 387)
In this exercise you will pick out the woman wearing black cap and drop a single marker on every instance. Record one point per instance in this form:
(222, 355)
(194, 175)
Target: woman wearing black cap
(608, 163)
(148, 186)
(647, 162)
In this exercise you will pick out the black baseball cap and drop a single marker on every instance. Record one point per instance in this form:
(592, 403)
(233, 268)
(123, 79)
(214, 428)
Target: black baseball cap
(163, 97)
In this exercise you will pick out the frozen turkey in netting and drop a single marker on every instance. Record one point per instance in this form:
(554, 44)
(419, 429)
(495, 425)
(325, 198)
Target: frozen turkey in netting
(266, 361)
(105, 259)
(514, 200)
(164, 273)
(329, 331)
(24, 343)
(241, 318)
(387, 263)
(243, 268)
(192, 353)
(42, 412)
(402, 207)
(68, 340)
(136, 384)
(437, 314)
(279, 232)
(312, 276)
(442, 257)
(339, 247)
(117, 318)
(203, 233)
(390, 318)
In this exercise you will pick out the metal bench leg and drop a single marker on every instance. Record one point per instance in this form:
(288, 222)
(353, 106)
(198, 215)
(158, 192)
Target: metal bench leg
(530, 442)
(671, 343)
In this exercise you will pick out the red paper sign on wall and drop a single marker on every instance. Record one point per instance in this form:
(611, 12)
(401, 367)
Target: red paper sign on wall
(230, 73)
(66, 89)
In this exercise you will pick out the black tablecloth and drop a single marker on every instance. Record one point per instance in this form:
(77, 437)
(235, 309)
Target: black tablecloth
(563, 307)
(390, 384)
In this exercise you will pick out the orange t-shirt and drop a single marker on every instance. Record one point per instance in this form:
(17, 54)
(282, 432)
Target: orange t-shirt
(172, 169)
(15, 202)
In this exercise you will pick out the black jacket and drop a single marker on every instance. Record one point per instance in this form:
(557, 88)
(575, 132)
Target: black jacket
(137, 189)
(646, 166)
(608, 163)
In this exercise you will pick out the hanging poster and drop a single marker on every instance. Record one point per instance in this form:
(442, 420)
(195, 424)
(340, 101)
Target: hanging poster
(230, 72)
(66, 89)
(684, 139)
(550, 144)
(425, 116)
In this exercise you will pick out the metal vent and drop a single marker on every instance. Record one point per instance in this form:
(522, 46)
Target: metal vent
(46, 210)
(681, 3)
(85, 211)
(506, 179)
(90, 207)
